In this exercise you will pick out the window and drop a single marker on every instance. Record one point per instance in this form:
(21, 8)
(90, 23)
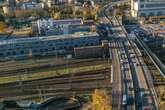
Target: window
(159, 13)
(8, 53)
(143, 14)
(70, 47)
(141, 6)
(34, 51)
(1, 54)
(41, 50)
(46, 50)
(50, 45)
(53, 48)
(13, 53)
(151, 14)
(22, 52)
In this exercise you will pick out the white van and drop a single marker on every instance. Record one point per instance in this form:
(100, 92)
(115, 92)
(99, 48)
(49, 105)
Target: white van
(124, 99)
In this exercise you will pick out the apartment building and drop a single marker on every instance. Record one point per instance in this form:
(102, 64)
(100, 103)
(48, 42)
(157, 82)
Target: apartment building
(146, 8)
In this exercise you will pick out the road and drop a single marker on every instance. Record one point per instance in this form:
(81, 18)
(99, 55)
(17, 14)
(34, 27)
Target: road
(117, 85)
(144, 97)
(122, 78)
(140, 91)
(117, 77)
(125, 75)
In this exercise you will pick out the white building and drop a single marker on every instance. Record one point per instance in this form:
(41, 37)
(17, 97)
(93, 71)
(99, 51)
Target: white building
(48, 24)
(32, 5)
(147, 8)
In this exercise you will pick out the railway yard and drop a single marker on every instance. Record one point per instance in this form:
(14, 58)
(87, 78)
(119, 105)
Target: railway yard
(123, 71)
(158, 82)
(45, 68)
(67, 78)
(155, 78)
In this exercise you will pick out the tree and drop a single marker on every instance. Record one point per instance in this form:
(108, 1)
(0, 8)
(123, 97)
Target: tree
(90, 12)
(57, 16)
(86, 12)
(95, 11)
(3, 26)
(100, 100)
(78, 13)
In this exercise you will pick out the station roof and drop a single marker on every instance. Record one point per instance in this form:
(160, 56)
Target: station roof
(48, 38)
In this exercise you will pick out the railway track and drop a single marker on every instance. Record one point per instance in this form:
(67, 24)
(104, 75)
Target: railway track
(125, 72)
(76, 83)
(158, 80)
(55, 94)
(11, 69)
(145, 84)
(58, 79)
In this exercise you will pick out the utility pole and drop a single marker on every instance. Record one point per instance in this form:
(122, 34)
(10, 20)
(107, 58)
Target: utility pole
(67, 67)
(40, 94)
(20, 81)
(163, 45)
(56, 51)
(157, 47)
(108, 73)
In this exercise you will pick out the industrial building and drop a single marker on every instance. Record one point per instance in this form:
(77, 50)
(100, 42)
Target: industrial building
(47, 45)
(50, 27)
(147, 8)
(54, 27)
(92, 51)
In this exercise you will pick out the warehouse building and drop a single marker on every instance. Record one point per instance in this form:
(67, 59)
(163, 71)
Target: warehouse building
(54, 27)
(47, 45)
(92, 51)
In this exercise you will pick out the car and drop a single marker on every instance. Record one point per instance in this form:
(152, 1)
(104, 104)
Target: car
(122, 68)
(124, 102)
(139, 103)
(135, 64)
(132, 55)
(131, 88)
(147, 108)
(130, 100)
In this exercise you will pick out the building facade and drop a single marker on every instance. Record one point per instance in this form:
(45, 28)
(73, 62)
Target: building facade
(147, 8)
(48, 45)
(50, 26)
(9, 7)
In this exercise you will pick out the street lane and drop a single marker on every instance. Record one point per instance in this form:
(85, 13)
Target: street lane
(117, 87)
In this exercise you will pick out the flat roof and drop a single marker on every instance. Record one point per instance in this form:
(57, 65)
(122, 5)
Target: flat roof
(61, 21)
(47, 38)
